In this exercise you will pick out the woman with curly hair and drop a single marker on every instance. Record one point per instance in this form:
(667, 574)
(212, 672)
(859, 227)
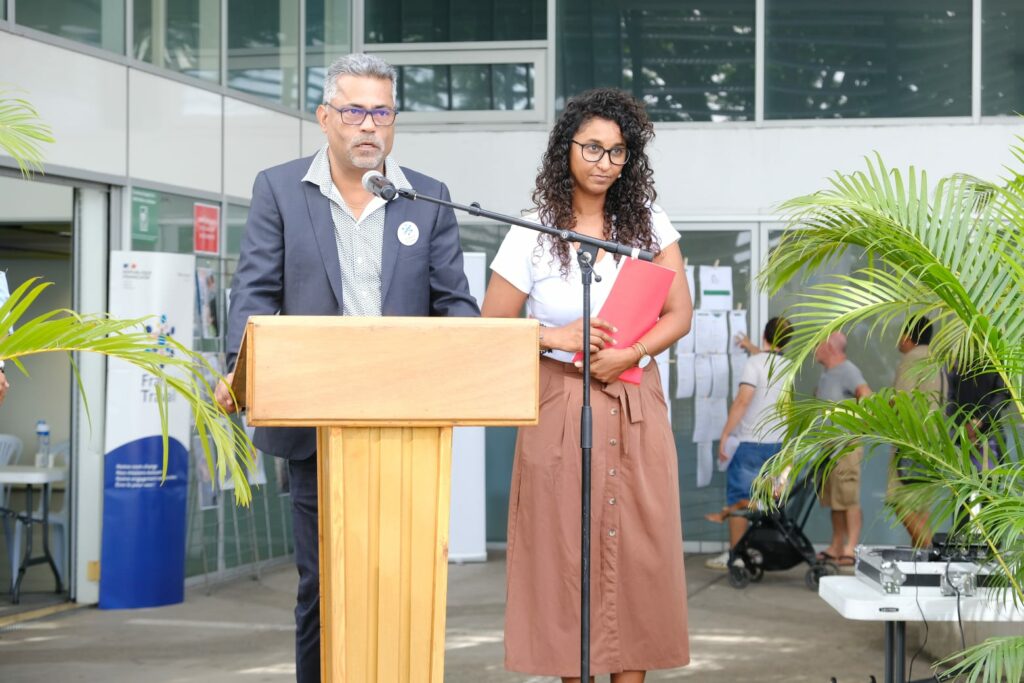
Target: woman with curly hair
(595, 179)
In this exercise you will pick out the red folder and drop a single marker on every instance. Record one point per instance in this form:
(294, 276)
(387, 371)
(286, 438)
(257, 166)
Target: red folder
(634, 305)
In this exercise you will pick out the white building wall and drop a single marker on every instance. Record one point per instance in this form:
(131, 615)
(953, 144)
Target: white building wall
(255, 138)
(174, 134)
(708, 171)
(82, 98)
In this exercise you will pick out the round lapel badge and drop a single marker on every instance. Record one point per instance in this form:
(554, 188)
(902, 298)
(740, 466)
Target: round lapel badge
(408, 233)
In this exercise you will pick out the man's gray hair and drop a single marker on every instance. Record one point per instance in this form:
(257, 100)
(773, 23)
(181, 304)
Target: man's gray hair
(359, 64)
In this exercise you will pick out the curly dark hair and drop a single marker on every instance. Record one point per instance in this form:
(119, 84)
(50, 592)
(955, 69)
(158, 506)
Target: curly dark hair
(628, 199)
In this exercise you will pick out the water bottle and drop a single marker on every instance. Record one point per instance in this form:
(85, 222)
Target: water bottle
(43, 441)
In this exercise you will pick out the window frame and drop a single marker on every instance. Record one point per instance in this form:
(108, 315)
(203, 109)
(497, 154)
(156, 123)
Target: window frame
(454, 54)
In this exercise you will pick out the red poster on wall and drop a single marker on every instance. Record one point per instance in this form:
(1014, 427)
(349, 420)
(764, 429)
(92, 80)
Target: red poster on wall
(206, 228)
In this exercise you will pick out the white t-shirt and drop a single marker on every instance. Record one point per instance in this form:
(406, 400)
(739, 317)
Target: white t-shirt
(761, 423)
(553, 300)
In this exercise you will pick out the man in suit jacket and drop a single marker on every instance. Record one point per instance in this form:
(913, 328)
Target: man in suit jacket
(317, 243)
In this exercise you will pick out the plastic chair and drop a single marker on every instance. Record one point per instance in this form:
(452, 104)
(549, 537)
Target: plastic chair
(58, 519)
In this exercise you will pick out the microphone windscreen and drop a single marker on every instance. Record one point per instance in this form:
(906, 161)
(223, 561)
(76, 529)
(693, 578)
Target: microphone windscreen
(368, 179)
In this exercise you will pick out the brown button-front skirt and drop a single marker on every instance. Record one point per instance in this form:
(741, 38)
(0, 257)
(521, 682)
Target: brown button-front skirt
(637, 587)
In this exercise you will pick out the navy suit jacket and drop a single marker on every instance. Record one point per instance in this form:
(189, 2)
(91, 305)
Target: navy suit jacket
(289, 265)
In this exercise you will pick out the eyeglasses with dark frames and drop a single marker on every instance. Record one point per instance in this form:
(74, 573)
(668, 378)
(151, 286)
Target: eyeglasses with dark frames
(594, 152)
(354, 116)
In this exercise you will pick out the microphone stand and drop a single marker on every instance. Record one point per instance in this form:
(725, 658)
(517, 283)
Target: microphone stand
(586, 256)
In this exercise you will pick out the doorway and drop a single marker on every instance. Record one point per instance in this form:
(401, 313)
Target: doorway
(56, 230)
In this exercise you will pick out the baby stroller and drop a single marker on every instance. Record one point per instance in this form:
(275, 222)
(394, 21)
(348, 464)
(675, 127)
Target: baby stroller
(775, 541)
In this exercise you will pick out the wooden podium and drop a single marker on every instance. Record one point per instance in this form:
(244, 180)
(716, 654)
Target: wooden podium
(384, 394)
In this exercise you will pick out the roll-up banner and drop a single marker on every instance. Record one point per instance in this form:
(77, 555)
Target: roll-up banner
(142, 561)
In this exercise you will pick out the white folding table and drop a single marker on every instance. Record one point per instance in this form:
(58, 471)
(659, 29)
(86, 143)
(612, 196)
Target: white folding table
(855, 598)
(30, 477)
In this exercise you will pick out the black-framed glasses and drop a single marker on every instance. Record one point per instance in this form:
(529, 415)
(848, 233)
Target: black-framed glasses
(354, 116)
(593, 153)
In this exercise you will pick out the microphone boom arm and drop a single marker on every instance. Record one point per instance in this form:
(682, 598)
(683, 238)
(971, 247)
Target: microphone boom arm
(474, 209)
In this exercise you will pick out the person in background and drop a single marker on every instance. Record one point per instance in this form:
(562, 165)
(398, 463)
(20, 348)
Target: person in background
(914, 372)
(595, 179)
(4, 384)
(841, 380)
(754, 421)
(978, 398)
(318, 243)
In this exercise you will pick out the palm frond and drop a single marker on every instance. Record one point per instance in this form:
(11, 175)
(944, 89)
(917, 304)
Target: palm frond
(994, 661)
(22, 132)
(944, 476)
(957, 254)
(185, 372)
(953, 252)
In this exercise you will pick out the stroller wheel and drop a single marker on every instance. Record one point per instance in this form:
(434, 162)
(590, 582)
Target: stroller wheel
(756, 573)
(818, 570)
(739, 577)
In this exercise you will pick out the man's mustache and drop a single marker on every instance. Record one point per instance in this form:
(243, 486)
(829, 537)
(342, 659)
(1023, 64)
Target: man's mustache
(367, 140)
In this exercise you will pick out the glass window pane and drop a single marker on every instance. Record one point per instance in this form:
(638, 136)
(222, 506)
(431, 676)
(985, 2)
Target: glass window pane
(234, 228)
(466, 87)
(689, 60)
(406, 21)
(876, 357)
(423, 88)
(263, 56)
(328, 36)
(163, 222)
(730, 247)
(99, 23)
(836, 59)
(1002, 57)
(182, 36)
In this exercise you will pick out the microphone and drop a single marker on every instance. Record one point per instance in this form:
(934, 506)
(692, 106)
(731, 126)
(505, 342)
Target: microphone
(375, 183)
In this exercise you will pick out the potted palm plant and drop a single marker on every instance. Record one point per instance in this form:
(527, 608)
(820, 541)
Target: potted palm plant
(954, 253)
(63, 331)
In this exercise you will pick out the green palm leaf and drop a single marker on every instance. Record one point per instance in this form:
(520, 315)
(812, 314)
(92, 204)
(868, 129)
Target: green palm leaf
(22, 133)
(953, 252)
(65, 331)
(994, 661)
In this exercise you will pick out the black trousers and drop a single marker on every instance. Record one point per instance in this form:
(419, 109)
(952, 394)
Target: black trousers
(303, 486)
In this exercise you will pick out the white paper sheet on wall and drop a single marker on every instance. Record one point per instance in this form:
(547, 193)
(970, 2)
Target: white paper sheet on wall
(705, 464)
(701, 376)
(684, 375)
(711, 330)
(709, 416)
(719, 375)
(665, 370)
(716, 288)
(737, 327)
(685, 345)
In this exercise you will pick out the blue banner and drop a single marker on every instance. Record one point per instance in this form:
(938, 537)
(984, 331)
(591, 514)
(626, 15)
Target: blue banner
(142, 563)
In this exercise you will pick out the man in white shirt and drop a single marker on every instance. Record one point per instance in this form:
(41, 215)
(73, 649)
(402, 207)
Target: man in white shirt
(754, 422)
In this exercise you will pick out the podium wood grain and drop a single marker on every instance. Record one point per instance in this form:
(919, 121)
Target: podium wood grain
(390, 371)
(384, 501)
(384, 394)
